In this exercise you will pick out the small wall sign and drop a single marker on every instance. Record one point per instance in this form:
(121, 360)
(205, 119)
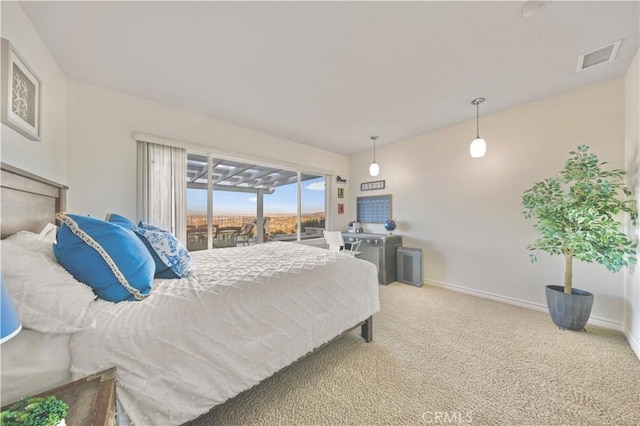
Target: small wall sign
(368, 186)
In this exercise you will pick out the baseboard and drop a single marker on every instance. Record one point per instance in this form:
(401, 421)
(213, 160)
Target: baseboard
(602, 322)
(635, 347)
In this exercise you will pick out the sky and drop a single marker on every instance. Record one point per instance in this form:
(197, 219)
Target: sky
(283, 200)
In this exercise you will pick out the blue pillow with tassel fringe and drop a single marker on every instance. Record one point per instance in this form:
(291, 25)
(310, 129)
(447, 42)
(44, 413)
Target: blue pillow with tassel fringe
(107, 257)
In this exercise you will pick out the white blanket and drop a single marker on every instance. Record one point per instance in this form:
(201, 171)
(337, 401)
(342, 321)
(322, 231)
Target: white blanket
(243, 314)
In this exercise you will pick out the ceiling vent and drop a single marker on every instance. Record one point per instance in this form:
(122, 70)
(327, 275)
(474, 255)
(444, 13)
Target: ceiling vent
(599, 56)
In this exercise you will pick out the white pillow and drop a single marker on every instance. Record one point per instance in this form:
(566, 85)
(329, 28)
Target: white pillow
(48, 299)
(49, 232)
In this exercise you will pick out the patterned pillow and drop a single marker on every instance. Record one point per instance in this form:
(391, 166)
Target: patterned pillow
(107, 257)
(166, 250)
(171, 258)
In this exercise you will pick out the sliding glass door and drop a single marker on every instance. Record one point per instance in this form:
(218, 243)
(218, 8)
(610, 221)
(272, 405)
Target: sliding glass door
(232, 203)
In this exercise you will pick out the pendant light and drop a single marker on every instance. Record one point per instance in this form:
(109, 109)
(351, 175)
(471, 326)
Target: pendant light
(374, 169)
(478, 146)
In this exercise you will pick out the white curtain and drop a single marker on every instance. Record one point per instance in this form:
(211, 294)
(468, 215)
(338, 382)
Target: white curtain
(162, 187)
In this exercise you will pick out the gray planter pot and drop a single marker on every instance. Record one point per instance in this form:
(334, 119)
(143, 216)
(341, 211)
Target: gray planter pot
(570, 311)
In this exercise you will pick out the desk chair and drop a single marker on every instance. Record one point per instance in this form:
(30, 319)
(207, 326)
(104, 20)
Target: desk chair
(335, 241)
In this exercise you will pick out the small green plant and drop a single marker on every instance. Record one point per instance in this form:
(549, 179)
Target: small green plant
(576, 212)
(35, 412)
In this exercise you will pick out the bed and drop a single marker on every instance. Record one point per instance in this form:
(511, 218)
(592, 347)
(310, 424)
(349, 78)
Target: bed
(241, 315)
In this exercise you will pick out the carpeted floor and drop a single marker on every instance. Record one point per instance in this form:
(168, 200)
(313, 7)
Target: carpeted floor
(440, 357)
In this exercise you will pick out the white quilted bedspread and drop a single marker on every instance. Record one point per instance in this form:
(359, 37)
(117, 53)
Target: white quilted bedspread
(243, 314)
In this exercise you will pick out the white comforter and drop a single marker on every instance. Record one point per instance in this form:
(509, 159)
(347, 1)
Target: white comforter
(243, 314)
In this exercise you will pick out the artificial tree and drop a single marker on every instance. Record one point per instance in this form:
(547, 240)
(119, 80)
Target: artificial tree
(577, 213)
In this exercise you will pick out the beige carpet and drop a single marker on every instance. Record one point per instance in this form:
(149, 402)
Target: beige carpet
(440, 357)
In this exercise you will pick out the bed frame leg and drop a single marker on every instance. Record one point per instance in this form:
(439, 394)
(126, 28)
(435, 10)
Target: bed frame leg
(366, 331)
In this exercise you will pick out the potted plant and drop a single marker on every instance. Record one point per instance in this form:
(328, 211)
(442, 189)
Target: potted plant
(35, 411)
(577, 213)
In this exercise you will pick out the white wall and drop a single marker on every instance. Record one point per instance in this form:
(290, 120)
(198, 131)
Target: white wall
(632, 151)
(466, 214)
(47, 157)
(102, 152)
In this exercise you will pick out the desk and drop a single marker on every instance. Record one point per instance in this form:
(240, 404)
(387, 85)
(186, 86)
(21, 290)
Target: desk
(379, 249)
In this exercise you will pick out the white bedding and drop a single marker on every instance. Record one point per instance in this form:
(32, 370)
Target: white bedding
(244, 314)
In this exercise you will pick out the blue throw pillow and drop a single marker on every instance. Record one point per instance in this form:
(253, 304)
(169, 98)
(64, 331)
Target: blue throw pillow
(107, 257)
(120, 220)
(171, 258)
(166, 249)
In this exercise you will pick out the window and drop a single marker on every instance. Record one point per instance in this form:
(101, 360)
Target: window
(281, 207)
(312, 211)
(226, 206)
(198, 235)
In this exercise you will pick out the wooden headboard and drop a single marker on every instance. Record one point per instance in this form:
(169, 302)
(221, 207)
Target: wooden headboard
(28, 202)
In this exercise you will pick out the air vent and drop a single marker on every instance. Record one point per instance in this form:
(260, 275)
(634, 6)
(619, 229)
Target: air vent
(599, 56)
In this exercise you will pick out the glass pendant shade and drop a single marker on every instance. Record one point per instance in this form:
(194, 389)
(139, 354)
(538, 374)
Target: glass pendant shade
(478, 148)
(374, 169)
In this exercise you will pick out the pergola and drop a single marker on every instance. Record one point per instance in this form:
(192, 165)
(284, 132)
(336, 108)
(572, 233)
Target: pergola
(237, 176)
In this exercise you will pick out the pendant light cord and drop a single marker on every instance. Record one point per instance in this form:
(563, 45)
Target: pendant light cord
(374, 147)
(477, 103)
(478, 120)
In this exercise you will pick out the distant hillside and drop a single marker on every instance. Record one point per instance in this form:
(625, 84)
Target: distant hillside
(278, 223)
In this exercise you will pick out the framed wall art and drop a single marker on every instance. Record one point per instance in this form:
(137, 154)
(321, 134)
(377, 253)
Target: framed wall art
(368, 186)
(340, 192)
(375, 209)
(21, 89)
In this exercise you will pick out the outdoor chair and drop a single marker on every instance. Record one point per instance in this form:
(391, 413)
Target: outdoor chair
(247, 233)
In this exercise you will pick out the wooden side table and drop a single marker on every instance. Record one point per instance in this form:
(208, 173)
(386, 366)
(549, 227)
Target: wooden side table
(91, 400)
